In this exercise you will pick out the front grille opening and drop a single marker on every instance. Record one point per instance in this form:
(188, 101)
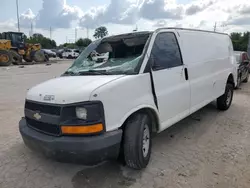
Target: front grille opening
(43, 108)
(46, 128)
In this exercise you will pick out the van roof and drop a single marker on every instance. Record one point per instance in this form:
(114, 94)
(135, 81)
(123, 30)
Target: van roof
(190, 29)
(140, 33)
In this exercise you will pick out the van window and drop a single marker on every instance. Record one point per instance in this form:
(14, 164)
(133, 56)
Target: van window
(165, 51)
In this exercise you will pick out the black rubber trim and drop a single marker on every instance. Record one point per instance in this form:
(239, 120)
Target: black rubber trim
(186, 73)
(153, 88)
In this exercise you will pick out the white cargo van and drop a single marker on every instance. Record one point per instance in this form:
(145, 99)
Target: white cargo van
(102, 107)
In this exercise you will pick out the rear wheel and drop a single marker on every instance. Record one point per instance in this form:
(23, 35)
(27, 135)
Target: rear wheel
(238, 81)
(5, 58)
(224, 101)
(137, 141)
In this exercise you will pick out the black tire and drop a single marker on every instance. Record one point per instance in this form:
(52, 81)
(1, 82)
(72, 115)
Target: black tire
(46, 58)
(238, 82)
(70, 57)
(39, 56)
(133, 141)
(28, 60)
(224, 101)
(16, 58)
(246, 79)
(7, 56)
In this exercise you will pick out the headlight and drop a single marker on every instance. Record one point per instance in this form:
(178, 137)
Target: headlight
(81, 113)
(90, 112)
(82, 118)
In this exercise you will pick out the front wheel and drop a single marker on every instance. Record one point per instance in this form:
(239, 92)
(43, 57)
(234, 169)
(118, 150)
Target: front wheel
(224, 101)
(137, 141)
(5, 58)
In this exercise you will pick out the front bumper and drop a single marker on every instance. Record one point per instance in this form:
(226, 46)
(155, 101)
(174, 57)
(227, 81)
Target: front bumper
(88, 150)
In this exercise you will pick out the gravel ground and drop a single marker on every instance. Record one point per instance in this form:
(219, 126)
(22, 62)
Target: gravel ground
(208, 149)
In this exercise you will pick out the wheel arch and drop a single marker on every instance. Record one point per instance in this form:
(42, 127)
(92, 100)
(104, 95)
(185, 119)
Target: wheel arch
(231, 79)
(151, 111)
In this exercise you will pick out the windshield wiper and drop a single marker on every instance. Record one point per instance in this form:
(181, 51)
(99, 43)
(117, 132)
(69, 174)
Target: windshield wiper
(94, 72)
(71, 73)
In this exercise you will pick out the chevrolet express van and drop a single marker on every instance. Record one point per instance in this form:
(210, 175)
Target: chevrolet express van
(137, 84)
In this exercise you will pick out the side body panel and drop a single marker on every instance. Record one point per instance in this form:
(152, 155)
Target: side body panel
(209, 57)
(123, 97)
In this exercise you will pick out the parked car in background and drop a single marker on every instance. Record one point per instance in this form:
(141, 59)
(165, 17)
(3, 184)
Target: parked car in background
(242, 63)
(50, 53)
(99, 57)
(59, 53)
(71, 53)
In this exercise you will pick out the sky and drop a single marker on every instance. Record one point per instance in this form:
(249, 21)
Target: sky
(68, 20)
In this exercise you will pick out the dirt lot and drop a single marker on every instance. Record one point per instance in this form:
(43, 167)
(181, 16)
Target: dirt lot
(209, 149)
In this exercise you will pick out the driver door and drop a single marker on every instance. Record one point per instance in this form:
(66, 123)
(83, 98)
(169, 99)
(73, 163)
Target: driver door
(170, 77)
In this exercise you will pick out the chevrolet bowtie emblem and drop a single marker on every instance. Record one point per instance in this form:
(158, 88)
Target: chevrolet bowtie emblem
(37, 116)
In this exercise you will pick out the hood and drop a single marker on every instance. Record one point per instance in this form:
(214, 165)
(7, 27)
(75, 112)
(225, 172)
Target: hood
(68, 89)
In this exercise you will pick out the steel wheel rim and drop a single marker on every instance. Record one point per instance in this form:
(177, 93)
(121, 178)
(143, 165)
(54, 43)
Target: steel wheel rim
(146, 141)
(4, 58)
(229, 96)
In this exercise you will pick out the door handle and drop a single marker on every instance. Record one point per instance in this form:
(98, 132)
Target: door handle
(186, 73)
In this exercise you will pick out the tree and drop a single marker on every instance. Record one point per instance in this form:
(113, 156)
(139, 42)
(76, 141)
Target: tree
(37, 35)
(68, 45)
(100, 32)
(39, 38)
(83, 42)
(240, 41)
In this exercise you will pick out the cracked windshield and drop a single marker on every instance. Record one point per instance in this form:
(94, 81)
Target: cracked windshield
(112, 55)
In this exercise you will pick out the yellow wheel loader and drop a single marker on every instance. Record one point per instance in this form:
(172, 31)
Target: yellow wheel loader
(13, 50)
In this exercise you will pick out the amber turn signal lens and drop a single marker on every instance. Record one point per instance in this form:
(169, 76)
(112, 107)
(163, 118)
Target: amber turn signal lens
(82, 129)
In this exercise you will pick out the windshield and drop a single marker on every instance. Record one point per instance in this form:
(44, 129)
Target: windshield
(113, 55)
(17, 37)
